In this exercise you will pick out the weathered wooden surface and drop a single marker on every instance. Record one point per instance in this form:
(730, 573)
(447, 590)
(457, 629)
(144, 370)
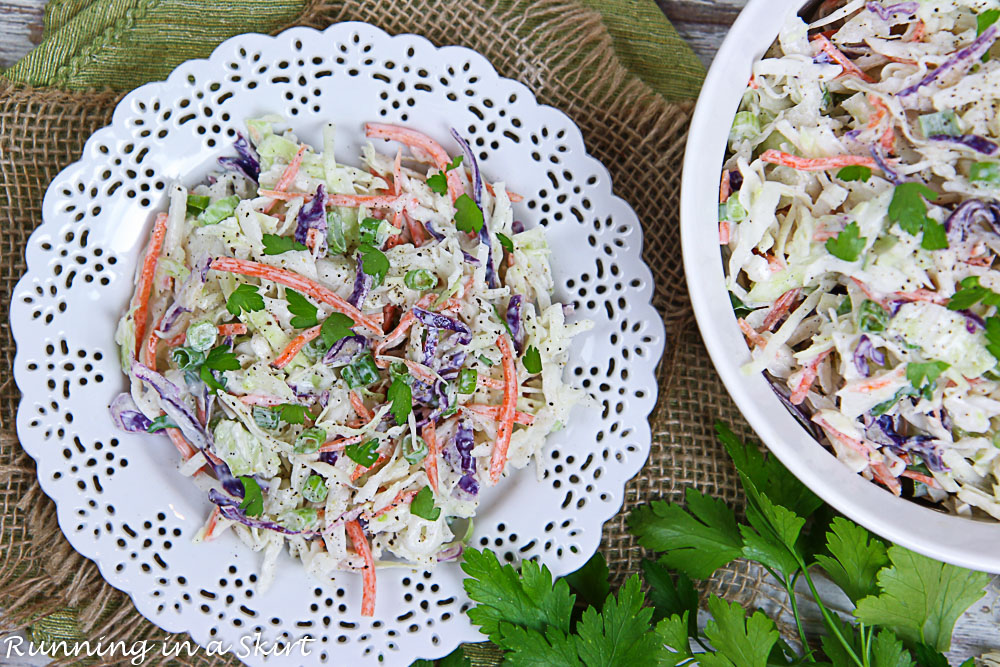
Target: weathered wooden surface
(703, 23)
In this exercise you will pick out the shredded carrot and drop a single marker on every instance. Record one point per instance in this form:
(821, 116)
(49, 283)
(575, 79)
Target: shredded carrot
(416, 228)
(363, 549)
(213, 521)
(921, 295)
(780, 308)
(297, 282)
(151, 342)
(393, 202)
(879, 382)
(725, 188)
(421, 142)
(339, 444)
(506, 416)
(396, 336)
(401, 497)
(178, 339)
(257, 399)
(420, 371)
(821, 234)
(361, 470)
(809, 372)
(182, 445)
(850, 69)
(881, 110)
(285, 196)
(883, 475)
(725, 232)
(919, 32)
(288, 177)
(296, 346)
(486, 382)
(360, 408)
(816, 164)
(853, 443)
(493, 411)
(202, 415)
(513, 196)
(313, 239)
(429, 435)
(146, 276)
(754, 338)
(753, 82)
(234, 329)
(869, 293)
(921, 477)
(397, 174)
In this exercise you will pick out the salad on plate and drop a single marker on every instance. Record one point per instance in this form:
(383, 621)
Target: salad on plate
(344, 357)
(860, 224)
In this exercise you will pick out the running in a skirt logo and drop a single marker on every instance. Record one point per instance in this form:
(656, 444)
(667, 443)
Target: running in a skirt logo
(138, 652)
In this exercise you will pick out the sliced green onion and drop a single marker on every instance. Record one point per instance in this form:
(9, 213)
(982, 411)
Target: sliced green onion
(197, 203)
(219, 210)
(486, 360)
(468, 378)
(187, 358)
(266, 417)
(366, 369)
(414, 449)
(369, 231)
(940, 123)
(420, 279)
(201, 335)
(314, 490)
(985, 172)
(872, 317)
(310, 440)
(335, 234)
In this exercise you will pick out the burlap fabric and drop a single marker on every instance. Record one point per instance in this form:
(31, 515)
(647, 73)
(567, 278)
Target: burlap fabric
(564, 52)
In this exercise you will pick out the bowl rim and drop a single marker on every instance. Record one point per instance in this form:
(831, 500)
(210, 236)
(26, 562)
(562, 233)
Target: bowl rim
(954, 539)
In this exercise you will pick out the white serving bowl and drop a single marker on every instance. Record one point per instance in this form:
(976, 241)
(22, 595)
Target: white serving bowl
(954, 539)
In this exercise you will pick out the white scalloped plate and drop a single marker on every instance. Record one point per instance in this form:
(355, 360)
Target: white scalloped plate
(120, 500)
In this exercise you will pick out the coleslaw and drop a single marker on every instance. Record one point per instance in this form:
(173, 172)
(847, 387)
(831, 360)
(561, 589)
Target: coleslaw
(859, 219)
(344, 356)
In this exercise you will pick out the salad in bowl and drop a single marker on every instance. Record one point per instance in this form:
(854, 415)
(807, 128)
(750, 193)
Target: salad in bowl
(345, 356)
(860, 225)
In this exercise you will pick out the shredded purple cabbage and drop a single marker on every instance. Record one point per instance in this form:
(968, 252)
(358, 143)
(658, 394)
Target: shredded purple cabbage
(345, 350)
(890, 174)
(450, 553)
(517, 226)
(312, 215)
(449, 369)
(126, 415)
(781, 391)
(887, 12)
(328, 457)
(513, 317)
(470, 158)
(439, 321)
(172, 403)
(430, 348)
(247, 163)
(469, 259)
(433, 232)
(464, 443)
(973, 141)
(468, 484)
(969, 55)
(973, 322)
(970, 212)
(883, 431)
(362, 283)
(170, 317)
(864, 352)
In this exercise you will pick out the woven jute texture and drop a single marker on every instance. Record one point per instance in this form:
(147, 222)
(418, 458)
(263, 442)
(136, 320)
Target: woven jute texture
(564, 53)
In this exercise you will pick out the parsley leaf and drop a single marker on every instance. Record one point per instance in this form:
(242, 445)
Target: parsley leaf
(455, 163)
(591, 581)
(401, 397)
(855, 172)
(674, 633)
(364, 454)
(303, 310)
(697, 541)
(669, 598)
(775, 530)
(909, 209)
(422, 505)
(160, 423)
(206, 375)
(221, 359)
(738, 640)
(993, 336)
(530, 599)
(505, 241)
(292, 413)
(930, 371)
(848, 244)
(532, 360)
(438, 183)
(253, 499)
(619, 635)
(336, 327)
(970, 293)
(921, 599)
(245, 297)
(985, 20)
(767, 472)
(275, 245)
(888, 651)
(454, 659)
(374, 262)
(855, 558)
(468, 216)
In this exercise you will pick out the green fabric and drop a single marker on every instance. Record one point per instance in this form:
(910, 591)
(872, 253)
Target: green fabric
(124, 43)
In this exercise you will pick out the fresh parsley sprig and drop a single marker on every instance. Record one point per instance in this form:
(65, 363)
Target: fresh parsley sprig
(848, 244)
(909, 209)
(906, 605)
